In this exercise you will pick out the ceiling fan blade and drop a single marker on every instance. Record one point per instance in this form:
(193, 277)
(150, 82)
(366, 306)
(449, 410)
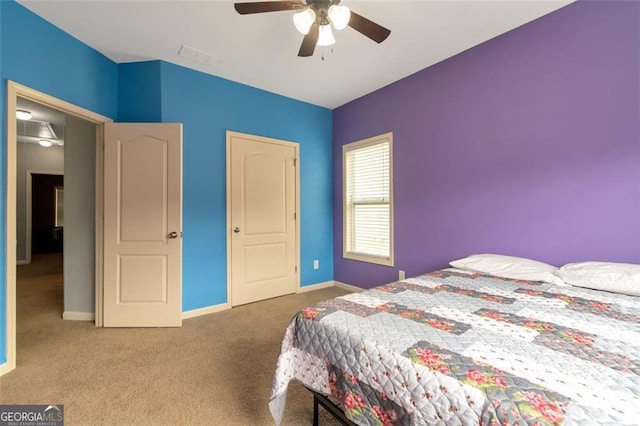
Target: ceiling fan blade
(375, 32)
(309, 41)
(265, 6)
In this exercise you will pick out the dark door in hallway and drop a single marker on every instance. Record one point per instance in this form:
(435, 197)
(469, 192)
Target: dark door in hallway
(46, 226)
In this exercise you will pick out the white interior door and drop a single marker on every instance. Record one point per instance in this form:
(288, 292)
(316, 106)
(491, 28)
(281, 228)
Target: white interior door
(142, 225)
(263, 228)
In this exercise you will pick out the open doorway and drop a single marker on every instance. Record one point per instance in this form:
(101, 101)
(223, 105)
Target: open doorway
(55, 219)
(40, 138)
(56, 199)
(40, 155)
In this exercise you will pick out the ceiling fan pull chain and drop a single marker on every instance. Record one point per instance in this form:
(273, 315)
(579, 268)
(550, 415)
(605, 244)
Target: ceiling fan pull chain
(323, 50)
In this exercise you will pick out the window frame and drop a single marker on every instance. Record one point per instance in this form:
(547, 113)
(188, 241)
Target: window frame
(353, 146)
(58, 213)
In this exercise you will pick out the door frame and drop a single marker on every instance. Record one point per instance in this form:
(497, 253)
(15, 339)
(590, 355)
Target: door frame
(15, 91)
(29, 210)
(263, 139)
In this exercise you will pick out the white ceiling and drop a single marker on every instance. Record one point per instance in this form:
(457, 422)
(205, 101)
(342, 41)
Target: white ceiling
(261, 50)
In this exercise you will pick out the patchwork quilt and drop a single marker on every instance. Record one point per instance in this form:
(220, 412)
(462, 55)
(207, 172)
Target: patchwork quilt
(456, 348)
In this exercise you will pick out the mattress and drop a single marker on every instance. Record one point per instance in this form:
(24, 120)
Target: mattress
(458, 348)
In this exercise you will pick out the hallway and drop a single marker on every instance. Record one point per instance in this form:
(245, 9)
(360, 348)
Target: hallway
(39, 302)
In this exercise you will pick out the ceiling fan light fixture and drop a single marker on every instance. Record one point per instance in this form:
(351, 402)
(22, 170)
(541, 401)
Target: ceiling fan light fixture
(325, 37)
(339, 16)
(45, 143)
(303, 20)
(23, 114)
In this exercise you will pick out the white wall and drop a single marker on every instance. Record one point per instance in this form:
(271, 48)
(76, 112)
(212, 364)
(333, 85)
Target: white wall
(79, 211)
(32, 156)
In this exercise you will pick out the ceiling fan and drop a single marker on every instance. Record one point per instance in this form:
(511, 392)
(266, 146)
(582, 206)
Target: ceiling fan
(314, 19)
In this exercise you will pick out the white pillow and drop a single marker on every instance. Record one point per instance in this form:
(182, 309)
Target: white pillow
(515, 268)
(615, 277)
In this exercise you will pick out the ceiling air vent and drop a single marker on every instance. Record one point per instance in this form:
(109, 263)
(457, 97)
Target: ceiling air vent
(36, 129)
(199, 56)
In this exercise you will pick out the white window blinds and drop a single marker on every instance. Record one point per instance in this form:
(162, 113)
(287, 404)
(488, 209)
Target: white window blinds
(367, 202)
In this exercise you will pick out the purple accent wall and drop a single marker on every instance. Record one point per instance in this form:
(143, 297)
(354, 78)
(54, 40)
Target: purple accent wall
(527, 145)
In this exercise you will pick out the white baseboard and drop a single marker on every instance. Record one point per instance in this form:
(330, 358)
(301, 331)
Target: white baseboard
(90, 316)
(318, 286)
(5, 368)
(79, 316)
(23, 262)
(328, 284)
(205, 311)
(348, 287)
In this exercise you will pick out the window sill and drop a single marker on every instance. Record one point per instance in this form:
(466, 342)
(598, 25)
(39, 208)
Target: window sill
(385, 261)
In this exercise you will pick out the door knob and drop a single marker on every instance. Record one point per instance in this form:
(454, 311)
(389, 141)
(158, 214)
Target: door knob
(236, 229)
(173, 234)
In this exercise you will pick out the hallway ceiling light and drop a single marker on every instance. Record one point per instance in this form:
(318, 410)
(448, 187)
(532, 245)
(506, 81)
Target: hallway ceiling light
(23, 114)
(45, 143)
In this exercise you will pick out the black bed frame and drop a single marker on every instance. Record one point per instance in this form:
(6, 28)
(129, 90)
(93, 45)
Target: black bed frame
(333, 409)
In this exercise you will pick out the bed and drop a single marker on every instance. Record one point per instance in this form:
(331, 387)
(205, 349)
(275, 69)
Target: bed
(457, 347)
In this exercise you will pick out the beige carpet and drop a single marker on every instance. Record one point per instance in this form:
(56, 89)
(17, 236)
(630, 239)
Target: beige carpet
(215, 370)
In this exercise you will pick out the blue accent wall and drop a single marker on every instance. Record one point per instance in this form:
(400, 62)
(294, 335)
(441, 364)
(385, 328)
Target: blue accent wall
(208, 106)
(139, 92)
(65, 68)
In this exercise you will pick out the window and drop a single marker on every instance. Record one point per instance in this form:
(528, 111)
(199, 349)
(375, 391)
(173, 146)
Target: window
(368, 200)
(59, 208)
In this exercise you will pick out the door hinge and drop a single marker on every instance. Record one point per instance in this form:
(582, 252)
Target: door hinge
(295, 215)
(296, 269)
(295, 162)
